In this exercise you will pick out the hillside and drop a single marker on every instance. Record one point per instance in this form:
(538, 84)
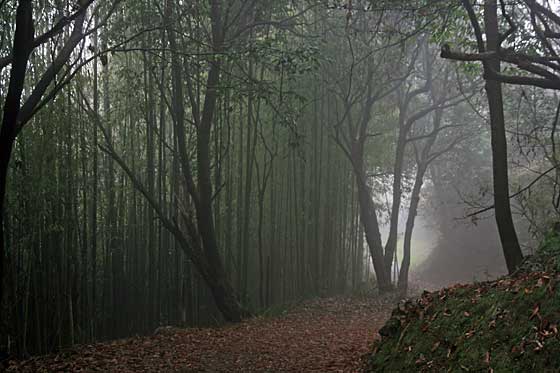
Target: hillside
(507, 325)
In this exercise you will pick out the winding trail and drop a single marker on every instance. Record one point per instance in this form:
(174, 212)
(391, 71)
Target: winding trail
(322, 335)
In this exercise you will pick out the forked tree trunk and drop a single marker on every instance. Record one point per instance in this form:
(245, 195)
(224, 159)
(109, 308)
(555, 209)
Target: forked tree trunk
(206, 257)
(369, 221)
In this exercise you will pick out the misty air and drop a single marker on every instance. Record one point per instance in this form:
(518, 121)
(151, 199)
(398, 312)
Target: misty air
(279, 185)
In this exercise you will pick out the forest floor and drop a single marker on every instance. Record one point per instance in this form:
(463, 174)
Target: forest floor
(320, 335)
(511, 324)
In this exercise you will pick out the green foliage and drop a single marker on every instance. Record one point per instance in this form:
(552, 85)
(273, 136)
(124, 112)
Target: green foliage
(550, 246)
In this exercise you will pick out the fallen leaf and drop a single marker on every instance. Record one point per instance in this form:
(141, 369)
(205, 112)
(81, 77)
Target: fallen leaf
(487, 358)
(435, 346)
(535, 312)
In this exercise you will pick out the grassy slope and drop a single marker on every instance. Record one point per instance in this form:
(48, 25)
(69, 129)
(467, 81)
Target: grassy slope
(508, 325)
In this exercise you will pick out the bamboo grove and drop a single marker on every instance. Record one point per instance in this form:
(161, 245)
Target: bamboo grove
(194, 162)
(88, 256)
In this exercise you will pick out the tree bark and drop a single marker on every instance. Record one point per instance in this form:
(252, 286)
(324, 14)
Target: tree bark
(369, 221)
(206, 258)
(412, 212)
(23, 39)
(504, 220)
(391, 244)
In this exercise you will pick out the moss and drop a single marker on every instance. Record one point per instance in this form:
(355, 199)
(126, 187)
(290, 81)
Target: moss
(508, 325)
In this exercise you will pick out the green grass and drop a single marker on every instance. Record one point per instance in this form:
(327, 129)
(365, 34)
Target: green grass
(508, 325)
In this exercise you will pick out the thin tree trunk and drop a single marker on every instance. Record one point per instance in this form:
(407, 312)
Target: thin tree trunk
(250, 156)
(412, 212)
(504, 220)
(206, 258)
(239, 204)
(93, 234)
(369, 221)
(391, 244)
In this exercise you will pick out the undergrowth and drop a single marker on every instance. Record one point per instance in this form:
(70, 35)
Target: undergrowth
(507, 325)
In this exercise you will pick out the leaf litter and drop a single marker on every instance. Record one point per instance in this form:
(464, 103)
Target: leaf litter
(320, 335)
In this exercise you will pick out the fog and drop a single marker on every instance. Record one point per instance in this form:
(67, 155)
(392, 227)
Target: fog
(195, 163)
(450, 249)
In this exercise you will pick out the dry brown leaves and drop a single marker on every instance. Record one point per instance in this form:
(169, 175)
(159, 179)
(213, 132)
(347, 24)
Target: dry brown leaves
(324, 335)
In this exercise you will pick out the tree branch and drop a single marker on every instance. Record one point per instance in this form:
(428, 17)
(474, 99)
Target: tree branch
(55, 30)
(515, 194)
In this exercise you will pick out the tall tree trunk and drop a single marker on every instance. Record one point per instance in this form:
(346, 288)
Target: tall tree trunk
(239, 204)
(229, 191)
(150, 172)
(95, 194)
(207, 258)
(412, 212)
(250, 156)
(23, 37)
(504, 220)
(369, 221)
(391, 244)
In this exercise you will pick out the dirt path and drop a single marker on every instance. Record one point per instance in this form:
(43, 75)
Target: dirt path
(326, 335)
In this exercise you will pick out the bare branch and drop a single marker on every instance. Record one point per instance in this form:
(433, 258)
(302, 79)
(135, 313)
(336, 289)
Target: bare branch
(55, 30)
(515, 194)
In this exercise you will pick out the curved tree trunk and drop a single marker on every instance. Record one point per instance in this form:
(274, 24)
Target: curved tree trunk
(204, 252)
(369, 220)
(22, 48)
